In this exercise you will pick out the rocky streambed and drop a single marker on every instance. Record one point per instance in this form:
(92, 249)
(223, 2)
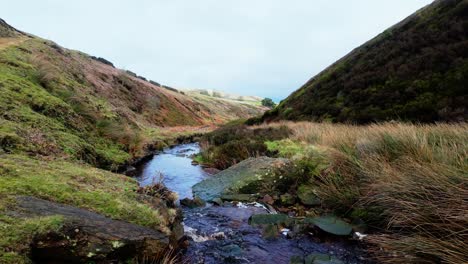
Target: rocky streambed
(234, 228)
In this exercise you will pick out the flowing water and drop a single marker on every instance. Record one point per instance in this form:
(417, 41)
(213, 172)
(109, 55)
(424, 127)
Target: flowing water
(174, 167)
(221, 234)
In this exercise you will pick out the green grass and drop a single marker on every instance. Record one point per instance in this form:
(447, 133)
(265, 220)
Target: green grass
(74, 184)
(286, 147)
(83, 186)
(38, 115)
(407, 182)
(15, 232)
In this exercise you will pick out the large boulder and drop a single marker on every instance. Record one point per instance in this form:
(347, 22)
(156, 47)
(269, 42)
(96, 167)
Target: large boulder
(244, 177)
(89, 237)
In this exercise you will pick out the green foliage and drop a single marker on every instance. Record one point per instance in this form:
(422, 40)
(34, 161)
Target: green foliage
(15, 232)
(236, 142)
(285, 148)
(268, 102)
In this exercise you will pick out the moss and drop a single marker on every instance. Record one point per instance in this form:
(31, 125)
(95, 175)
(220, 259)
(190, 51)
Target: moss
(14, 232)
(78, 185)
(286, 147)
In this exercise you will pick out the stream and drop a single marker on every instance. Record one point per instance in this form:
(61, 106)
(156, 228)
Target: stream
(221, 234)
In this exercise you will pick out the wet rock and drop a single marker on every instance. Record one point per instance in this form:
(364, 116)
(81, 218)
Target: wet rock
(331, 224)
(319, 258)
(233, 222)
(211, 171)
(244, 177)
(130, 171)
(231, 250)
(193, 203)
(268, 219)
(89, 237)
(287, 199)
(239, 197)
(217, 201)
(307, 196)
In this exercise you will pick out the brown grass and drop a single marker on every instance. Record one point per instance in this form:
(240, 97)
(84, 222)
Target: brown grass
(409, 180)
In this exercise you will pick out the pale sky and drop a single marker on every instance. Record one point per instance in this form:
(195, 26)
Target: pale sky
(248, 47)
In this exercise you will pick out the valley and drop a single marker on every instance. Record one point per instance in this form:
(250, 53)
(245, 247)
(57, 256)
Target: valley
(365, 163)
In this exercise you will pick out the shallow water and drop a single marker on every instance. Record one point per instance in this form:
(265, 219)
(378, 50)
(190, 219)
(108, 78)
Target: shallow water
(175, 166)
(221, 234)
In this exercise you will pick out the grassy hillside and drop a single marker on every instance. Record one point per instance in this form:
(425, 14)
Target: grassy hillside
(61, 103)
(63, 115)
(416, 71)
(404, 185)
(250, 100)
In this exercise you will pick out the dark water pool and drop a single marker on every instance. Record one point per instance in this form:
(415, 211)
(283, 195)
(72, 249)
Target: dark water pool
(174, 167)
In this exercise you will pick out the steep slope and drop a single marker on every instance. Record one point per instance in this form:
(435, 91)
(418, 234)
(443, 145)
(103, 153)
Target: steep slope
(62, 103)
(7, 31)
(416, 70)
(62, 114)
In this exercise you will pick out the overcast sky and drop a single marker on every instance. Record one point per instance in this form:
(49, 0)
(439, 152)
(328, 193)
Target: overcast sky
(250, 47)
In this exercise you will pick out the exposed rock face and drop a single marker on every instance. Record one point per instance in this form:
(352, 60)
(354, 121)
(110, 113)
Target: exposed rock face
(243, 177)
(89, 237)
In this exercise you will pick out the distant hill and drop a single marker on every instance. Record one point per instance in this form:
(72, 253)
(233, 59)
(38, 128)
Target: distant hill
(255, 100)
(416, 71)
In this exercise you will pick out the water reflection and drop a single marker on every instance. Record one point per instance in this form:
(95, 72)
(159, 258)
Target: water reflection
(175, 164)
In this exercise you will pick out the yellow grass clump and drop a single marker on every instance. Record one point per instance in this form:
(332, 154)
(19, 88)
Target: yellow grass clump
(409, 180)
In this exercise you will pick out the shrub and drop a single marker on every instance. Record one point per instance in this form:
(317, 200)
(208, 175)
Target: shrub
(236, 142)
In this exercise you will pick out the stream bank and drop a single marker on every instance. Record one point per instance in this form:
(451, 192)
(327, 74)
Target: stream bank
(222, 233)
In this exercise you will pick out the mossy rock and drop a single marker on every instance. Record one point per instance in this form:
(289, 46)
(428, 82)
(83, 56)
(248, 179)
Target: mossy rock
(296, 260)
(193, 203)
(307, 195)
(331, 224)
(320, 258)
(238, 197)
(270, 232)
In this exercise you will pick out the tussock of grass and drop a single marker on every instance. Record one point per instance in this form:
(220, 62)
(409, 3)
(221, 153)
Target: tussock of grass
(408, 182)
